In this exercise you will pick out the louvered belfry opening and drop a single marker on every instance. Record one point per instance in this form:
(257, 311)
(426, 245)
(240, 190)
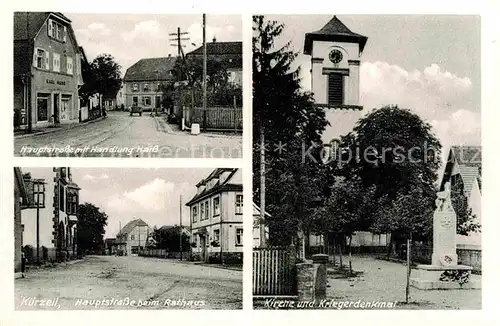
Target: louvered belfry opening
(335, 89)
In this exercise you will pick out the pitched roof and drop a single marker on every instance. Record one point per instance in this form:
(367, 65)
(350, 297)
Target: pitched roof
(130, 226)
(469, 161)
(27, 24)
(147, 69)
(217, 187)
(218, 48)
(334, 30)
(256, 210)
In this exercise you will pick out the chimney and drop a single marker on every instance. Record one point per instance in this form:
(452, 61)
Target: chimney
(214, 39)
(169, 55)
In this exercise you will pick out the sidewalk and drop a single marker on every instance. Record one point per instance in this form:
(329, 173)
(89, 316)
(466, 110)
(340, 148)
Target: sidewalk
(50, 129)
(200, 263)
(170, 128)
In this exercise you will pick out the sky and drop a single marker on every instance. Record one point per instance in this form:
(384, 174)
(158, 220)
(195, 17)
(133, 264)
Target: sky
(131, 37)
(430, 64)
(128, 193)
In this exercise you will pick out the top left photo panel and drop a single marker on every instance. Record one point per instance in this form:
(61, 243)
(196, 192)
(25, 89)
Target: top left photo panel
(127, 85)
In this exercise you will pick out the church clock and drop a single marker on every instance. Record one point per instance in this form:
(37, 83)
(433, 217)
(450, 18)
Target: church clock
(335, 56)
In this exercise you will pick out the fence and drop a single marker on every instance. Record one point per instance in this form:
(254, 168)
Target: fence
(274, 272)
(163, 253)
(422, 253)
(215, 118)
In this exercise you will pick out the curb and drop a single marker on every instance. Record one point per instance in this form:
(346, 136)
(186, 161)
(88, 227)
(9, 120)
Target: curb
(49, 131)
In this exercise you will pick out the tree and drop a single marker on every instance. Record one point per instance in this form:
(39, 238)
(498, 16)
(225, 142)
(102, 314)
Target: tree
(466, 221)
(90, 228)
(398, 153)
(106, 76)
(169, 238)
(287, 128)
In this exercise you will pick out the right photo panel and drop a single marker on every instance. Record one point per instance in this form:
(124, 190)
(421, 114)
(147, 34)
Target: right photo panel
(367, 162)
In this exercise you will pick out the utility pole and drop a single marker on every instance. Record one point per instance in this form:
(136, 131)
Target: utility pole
(29, 107)
(179, 37)
(262, 226)
(37, 187)
(180, 222)
(204, 72)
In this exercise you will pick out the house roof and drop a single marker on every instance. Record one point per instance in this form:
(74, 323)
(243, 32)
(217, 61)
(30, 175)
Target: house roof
(469, 161)
(130, 226)
(218, 48)
(22, 187)
(226, 185)
(334, 30)
(147, 69)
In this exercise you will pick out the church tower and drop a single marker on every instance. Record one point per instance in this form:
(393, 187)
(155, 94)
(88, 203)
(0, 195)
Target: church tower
(335, 61)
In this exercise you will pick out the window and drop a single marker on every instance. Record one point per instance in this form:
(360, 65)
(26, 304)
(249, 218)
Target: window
(146, 88)
(146, 100)
(135, 100)
(56, 62)
(62, 197)
(216, 235)
(239, 236)
(41, 59)
(207, 209)
(69, 65)
(132, 237)
(216, 206)
(38, 193)
(135, 87)
(195, 214)
(335, 89)
(239, 204)
(72, 203)
(202, 211)
(56, 30)
(42, 107)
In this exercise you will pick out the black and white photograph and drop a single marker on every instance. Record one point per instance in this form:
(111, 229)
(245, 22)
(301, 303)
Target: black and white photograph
(367, 172)
(128, 238)
(127, 85)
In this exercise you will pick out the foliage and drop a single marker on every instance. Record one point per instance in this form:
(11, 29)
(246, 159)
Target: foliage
(466, 221)
(459, 276)
(169, 238)
(103, 76)
(90, 228)
(296, 185)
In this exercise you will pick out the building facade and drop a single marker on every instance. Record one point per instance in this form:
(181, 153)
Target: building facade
(335, 62)
(54, 199)
(21, 201)
(142, 83)
(47, 71)
(217, 217)
(257, 237)
(133, 237)
(464, 170)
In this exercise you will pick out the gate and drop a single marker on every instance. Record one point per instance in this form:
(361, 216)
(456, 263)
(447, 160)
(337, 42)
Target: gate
(274, 272)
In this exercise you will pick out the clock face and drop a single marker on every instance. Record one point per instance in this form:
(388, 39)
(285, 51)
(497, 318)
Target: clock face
(335, 56)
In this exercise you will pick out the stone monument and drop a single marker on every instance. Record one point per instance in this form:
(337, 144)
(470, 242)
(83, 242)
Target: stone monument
(444, 272)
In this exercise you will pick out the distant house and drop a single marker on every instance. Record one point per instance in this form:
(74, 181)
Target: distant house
(55, 196)
(141, 83)
(21, 201)
(217, 216)
(230, 53)
(47, 71)
(463, 171)
(133, 237)
(110, 246)
(256, 226)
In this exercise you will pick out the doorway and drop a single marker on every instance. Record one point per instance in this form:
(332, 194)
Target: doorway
(56, 108)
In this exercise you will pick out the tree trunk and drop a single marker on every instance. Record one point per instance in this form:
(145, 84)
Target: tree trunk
(408, 267)
(340, 252)
(350, 256)
(333, 250)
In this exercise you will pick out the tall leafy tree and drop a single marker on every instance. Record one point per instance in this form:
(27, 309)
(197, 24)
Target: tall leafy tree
(169, 238)
(106, 76)
(90, 228)
(288, 127)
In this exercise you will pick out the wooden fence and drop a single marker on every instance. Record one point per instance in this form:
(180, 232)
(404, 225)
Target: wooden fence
(216, 118)
(274, 272)
(163, 253)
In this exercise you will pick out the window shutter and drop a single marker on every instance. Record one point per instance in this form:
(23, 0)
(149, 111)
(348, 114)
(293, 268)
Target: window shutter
(34, 57)
(50, 28)
(47, 63)
(335, 89)
(64, 34)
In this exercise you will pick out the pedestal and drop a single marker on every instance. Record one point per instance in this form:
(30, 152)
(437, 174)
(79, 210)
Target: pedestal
(427, 277)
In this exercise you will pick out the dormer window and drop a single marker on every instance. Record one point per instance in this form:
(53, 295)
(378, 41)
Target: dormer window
(146, 88)
(135, 87)
(56, 30)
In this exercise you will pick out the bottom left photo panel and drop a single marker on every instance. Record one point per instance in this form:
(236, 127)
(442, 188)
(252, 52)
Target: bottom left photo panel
(128, 238)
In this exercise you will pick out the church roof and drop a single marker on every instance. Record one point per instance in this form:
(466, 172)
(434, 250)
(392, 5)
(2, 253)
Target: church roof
(334, 30)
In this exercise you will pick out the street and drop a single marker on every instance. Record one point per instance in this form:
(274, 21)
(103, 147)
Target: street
(121, 135)
(111, 282)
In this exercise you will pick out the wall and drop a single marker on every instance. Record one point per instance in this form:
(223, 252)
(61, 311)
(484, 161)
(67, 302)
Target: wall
(46, 213)
(140, 234)
(128, 93)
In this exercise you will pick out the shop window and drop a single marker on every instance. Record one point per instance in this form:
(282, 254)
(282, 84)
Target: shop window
(56, 62)
(42, 106)
(239, 236)
(239, 204)
(69, 65)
